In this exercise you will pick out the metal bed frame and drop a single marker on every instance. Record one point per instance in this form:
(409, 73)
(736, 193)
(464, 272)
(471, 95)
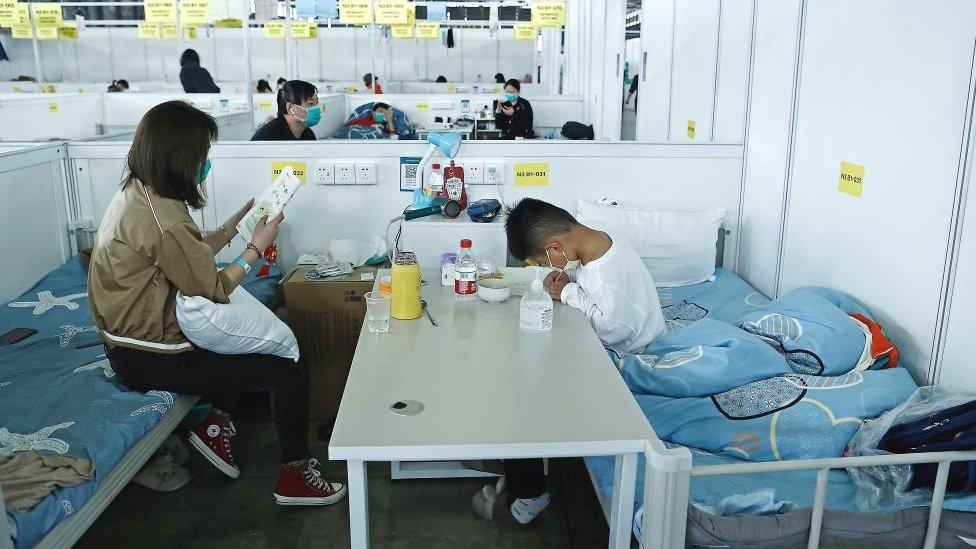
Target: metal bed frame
(668, 473)
(69, 530)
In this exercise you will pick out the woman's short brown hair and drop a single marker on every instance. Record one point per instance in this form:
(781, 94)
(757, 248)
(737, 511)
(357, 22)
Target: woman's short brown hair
(169, 150)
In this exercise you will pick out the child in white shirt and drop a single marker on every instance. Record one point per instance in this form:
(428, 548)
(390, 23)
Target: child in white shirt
(598, 273)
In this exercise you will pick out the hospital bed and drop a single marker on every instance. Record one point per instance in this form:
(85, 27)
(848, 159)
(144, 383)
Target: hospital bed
(63, 394)
(682, 492)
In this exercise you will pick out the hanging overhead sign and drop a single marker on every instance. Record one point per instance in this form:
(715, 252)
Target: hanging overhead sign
(68, 31)
(12, 14)
(274, 29)
(160, 11)
(428, 31)
(194, 12)
(524, 32)
(149, 31)
(47, 33)
(301, 29)
(391, 12)
(549, 14)
(21, 33)
(169, 31)
(47, 16)
(402, 31)
(356, 12)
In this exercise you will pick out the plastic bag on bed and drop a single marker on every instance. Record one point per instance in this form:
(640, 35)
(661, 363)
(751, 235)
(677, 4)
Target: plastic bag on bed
(900, 485)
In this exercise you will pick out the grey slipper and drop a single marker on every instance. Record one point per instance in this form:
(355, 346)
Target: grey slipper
(490, 505)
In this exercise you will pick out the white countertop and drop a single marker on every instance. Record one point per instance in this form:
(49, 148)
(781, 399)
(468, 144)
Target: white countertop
(489, 389)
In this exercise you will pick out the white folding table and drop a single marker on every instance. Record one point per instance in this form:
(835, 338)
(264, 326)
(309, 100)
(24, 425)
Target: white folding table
(489, 391)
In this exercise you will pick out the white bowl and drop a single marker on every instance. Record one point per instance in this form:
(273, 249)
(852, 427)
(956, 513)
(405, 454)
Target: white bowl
(494, 290)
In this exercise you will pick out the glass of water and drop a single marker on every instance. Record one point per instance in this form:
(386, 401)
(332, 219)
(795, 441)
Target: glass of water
(377, 312)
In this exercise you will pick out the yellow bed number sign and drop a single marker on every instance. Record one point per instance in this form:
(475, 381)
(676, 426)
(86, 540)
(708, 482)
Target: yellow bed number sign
(534, 174)
(423, 106)
(691, 129)
(428, 31)
(356, 12)
(53, 107)
(300, 169)
(851, 179)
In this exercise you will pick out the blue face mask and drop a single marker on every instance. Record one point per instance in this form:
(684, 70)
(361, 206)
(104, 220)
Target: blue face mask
(204, 172)
(511, 97)
(379, 117)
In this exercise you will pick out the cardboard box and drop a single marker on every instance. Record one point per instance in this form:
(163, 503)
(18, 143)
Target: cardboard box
(327, 316)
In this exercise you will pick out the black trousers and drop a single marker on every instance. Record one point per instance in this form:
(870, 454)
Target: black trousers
(221, 379)
(525, 478)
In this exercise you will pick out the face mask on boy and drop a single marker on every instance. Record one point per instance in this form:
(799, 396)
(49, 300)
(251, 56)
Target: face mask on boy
(570, 265)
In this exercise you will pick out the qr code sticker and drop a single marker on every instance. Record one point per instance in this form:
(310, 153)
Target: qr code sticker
(408, 173)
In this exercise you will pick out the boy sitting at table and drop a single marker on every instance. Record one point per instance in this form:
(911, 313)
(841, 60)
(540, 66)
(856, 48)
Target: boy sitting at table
(597, 273)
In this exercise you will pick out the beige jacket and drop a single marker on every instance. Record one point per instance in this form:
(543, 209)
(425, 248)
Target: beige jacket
(148, 248)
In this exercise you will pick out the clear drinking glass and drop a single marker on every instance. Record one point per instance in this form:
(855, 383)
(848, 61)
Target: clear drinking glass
(377, 312)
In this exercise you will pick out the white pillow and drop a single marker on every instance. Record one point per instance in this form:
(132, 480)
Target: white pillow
(678, 247)
(242, 326)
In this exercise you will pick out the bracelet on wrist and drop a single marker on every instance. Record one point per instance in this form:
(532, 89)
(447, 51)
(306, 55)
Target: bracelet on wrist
(252, 247)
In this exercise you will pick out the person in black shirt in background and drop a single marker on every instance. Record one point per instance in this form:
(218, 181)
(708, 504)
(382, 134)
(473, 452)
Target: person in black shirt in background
(514, 116)
(195, 79)
(499, 78)
(298, 111)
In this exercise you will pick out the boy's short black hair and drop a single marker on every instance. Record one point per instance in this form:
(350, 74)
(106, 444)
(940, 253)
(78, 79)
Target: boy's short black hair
(531, 222)
(379, 105)
(169, 150)
(515, 84)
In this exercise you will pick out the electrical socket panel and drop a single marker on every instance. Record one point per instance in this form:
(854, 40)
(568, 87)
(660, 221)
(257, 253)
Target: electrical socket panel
(345, 174)
(324, 173)
(474, 173)
(494, 173)
(365, 174)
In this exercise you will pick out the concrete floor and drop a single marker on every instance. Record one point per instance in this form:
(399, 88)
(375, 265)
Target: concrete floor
(214, 511)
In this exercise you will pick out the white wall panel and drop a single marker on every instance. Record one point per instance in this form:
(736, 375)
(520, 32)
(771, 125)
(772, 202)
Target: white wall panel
(871, 94)
(693, 77)
(676, 177)
(732, 74)
(767, 144)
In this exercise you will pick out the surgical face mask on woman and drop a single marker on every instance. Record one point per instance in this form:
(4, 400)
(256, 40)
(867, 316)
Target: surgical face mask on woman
(570, 265)
(511, 97)
(204, 172)
(313, 115)
(379, 117)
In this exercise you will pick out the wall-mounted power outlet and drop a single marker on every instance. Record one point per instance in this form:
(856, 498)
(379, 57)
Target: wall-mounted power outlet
(494, 173)
(324, 173)
(365, 174)
(474, 173)
(345, 174)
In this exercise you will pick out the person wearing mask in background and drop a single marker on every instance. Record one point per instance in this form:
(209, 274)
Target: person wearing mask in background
(298, 111)
(119, 85)
(633, 91)
(381, 116)
(514, 115)
(441, 80)
(281, 82)
(149, 248)
(372, 84)
(264, 87)
(195, 79)
(499, 78)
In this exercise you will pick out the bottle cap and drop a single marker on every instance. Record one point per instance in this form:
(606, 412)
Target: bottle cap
(435, 166)
(466, 243)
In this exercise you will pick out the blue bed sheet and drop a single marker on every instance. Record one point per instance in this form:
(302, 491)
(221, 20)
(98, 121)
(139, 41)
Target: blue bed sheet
(57, 396)
(727, 298)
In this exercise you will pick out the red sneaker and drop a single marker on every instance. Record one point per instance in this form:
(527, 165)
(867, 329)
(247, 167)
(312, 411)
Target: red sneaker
(212, 439)
(306, 487)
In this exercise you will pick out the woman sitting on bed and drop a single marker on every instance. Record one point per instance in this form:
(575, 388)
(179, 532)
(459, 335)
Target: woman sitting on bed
(148, 248)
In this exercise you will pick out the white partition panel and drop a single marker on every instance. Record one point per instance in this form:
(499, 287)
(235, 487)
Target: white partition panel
(876, 98)
(655, 176)
(33, 211)
(34, 117)
(550, 111)
(767, 143)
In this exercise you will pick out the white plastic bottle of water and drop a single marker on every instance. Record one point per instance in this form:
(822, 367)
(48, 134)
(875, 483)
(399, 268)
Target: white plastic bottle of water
(465, 273)
(535, 311)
